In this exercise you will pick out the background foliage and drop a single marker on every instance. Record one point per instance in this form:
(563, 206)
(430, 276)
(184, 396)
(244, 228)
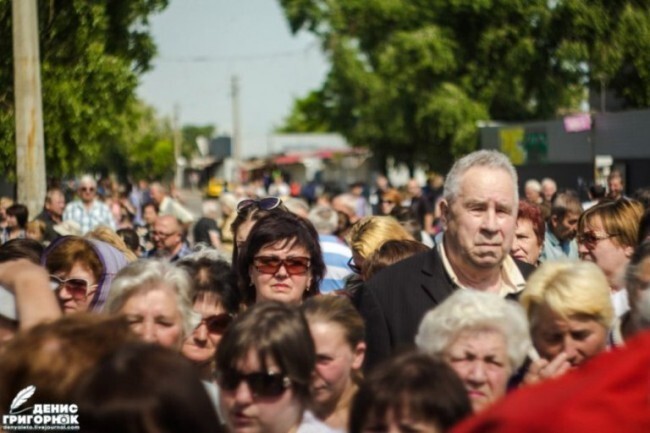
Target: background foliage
(411, 79)
(92, 53)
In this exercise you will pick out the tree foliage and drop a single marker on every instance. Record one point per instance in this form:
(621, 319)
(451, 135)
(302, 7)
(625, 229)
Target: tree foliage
(92, 53)
(412, 78)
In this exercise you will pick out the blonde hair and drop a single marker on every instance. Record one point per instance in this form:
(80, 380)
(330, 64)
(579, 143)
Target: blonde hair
(620, 218)
(370, 233)
(106, 234)
(569, 288)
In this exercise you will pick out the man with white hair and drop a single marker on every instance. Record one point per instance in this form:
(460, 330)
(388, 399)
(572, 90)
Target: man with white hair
(533, 191)
(479, 213)
(88, 211)
(169, 206)
(336, 254)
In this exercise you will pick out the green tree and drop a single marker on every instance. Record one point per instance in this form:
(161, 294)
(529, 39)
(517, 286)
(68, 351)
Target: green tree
(190, 133)
(91, 56)
(411, 79)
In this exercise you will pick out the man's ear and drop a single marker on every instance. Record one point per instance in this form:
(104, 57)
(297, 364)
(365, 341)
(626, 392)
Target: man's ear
(444, 212)
(553, 221)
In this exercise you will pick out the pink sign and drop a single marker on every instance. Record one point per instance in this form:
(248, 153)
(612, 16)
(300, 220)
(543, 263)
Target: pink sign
(577, 123)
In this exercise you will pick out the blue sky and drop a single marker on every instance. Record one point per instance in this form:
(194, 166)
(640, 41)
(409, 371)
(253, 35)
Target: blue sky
(203, 43)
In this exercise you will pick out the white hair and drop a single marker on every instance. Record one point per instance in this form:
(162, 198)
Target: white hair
(533, 184)
(142, 276)
(324, 218)
(87, 179)
(210, 208)
(472, 310)
(480, 158)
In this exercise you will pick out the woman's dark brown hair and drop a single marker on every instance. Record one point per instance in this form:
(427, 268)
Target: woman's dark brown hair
(413, 385)
(281, 228)
(273, 331)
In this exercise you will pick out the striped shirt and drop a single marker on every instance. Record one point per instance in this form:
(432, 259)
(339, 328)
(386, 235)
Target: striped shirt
(336, 256)
(98, 215)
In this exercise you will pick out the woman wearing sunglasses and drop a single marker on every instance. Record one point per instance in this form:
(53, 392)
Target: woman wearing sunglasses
(81, 271)
(215, 297)
(338, 332)
(265, 363)
(608, 236)
(154, 296)
(249, 211)
(280, 261)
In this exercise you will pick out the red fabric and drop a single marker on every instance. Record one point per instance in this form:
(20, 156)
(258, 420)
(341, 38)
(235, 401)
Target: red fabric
(609, 394)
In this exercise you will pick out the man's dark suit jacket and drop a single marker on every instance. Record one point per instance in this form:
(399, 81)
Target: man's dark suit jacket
(394, 301)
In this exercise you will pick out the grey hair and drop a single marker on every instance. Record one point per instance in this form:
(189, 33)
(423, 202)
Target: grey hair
(481, 158)
(142, 276)
(298, 206)
(472, 310)
(324, 218)
(87, 179)
(533, 184)
(202, 251)
(210, 208)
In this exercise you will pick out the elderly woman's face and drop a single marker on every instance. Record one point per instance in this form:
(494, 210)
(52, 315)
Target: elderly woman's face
(579, 337)
(155, 317)
(281, 272)
(525, 246)
(76, 289)
(481, 360)
(247, 411)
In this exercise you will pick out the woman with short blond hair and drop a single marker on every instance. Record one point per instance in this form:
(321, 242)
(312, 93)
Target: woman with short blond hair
(570, 314)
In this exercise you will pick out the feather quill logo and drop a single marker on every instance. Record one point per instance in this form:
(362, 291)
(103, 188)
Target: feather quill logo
(21, 398)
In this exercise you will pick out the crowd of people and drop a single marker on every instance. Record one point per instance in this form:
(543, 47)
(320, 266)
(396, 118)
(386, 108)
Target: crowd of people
(455, 306)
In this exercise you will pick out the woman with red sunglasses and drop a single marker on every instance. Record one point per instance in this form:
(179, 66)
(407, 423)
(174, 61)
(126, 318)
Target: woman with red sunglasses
(281, 260)
(265, 363)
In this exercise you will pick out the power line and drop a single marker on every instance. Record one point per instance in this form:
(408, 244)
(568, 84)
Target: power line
(242, 58)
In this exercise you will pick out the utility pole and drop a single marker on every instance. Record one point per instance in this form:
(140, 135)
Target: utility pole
(178, 177)
(236, 132)
(30, 154)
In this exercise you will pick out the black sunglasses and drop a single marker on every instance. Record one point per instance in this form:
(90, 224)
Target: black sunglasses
(261, 384)
(271, 264)
(356, 269)
(266, 203)
(216, 324)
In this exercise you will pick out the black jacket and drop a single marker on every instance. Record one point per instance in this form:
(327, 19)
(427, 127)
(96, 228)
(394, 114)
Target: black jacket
(394, 301)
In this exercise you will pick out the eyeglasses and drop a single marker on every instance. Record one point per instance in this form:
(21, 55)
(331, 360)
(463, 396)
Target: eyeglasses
(356, 269)
(271, 265)
(216, 324)
(77, 287)
(162, 235)
(590, 239)
(87, 189)
(266, 203)
(261, 384)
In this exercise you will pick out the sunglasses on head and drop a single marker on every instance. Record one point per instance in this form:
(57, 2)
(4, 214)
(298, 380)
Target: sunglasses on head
(260, 384)
(356, 269)
(266, 203)
(271, 265)
(216, 324)
(77, 287)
